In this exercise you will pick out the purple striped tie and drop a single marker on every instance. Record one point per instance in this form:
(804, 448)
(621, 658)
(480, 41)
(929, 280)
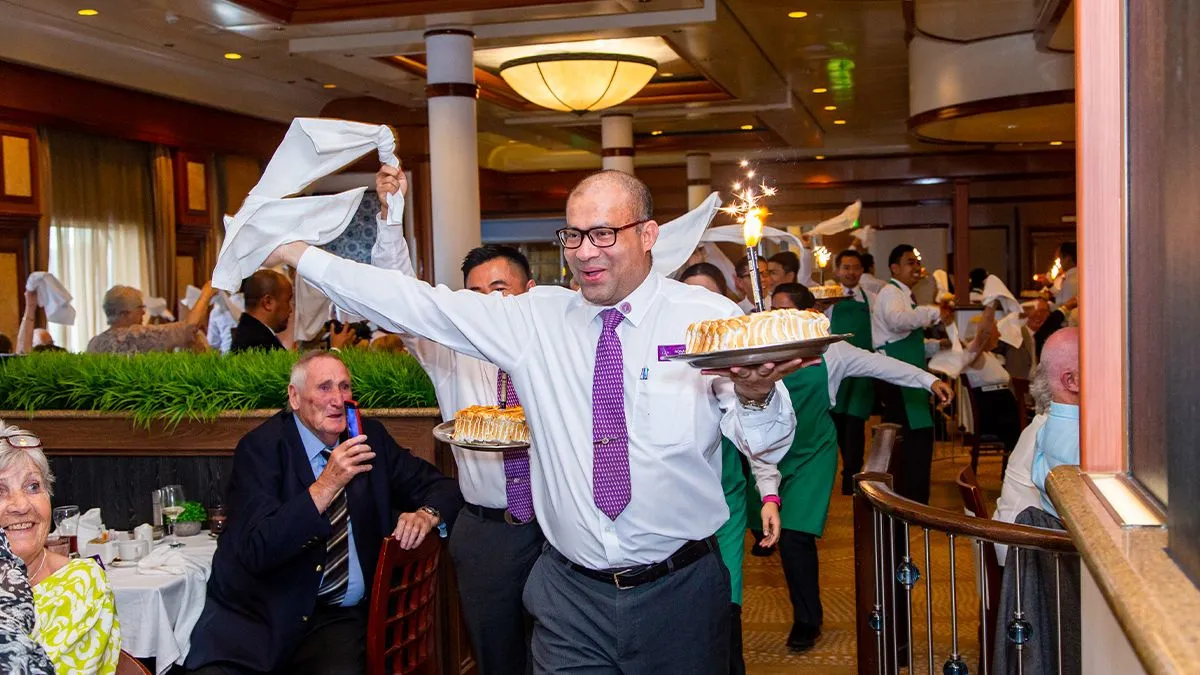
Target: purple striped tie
(516, 464)
(610, 435)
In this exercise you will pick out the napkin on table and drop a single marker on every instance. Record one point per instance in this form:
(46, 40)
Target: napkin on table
(312, 148)
(53, 296)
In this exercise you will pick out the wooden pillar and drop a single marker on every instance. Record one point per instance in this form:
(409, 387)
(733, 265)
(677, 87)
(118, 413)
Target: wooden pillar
(1100, 176)
(961, 219)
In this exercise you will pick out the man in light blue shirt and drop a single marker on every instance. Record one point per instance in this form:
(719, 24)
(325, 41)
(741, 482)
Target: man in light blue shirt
(1058, 439)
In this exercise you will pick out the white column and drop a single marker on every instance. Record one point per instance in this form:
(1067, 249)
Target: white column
(699, 178)
(616, 141)
(453, 153)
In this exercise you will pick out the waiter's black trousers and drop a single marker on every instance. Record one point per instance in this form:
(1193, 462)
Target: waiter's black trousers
(852, 441)
(798, 554)
(912, 473)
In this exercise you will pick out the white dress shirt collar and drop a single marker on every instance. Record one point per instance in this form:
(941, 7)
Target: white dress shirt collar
(903, 286)
(634, 306)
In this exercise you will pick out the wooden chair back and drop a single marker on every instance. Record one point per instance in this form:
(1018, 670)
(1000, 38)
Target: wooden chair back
(403, 608)
(127, 665)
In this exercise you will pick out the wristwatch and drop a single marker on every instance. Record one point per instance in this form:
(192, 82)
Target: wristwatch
(757, 405)
(437, 515)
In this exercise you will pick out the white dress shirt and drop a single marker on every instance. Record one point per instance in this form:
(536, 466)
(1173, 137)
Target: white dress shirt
(871, 283)
(546, 340)
(893, 317)
(1018, 492)
(1068, 288)
(843, 360)
(459, 381)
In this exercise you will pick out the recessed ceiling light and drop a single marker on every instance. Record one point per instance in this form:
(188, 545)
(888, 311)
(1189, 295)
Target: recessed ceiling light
(744, 163)
(747, 127)
(233, 56)
(820, 90)
(667, 74)
(1056, 142)
(330, 86)
(820, 157)
(88, 12)
(797, 15)
(831, 107)
(839, 121)
(656, 132)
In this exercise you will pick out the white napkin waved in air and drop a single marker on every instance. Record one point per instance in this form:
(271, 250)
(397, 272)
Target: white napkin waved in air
(839, 223)
(954, 360)
(1009, 320)
(158, 307)
(865, 236)
(52, 296)
(312, 148)
(732, 234)
(190, 295)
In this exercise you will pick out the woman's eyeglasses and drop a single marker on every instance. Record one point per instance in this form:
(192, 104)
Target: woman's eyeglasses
(601, 237)
(22, 441)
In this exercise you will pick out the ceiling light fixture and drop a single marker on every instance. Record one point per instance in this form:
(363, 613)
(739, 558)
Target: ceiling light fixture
(656, 132)
(329, 86)
(820, 157)
(839, 121)
(747, 127)
(578, 82)
(820, 90)
(88, 12)
(831, 107)
(667, 74)
(1056, 142)
(233, 56)
(797, 15)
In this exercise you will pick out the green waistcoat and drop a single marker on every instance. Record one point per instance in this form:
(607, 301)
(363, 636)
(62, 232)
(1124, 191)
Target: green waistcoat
(856, 395)
(911, 350)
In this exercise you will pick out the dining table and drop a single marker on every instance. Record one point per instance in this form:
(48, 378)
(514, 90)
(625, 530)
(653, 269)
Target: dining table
(158, 607)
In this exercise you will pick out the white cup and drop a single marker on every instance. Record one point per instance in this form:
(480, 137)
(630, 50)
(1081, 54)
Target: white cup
(133, 549)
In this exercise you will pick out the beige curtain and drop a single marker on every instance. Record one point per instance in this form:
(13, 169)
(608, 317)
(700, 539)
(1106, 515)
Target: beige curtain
(162, 259)
(102, 212)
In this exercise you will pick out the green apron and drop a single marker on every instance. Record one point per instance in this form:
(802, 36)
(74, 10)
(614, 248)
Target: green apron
(810, 465)
(856, 395)
(911, 350)
(731, 537)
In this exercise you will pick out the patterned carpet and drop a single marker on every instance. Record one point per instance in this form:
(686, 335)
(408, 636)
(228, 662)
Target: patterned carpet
(767, 611)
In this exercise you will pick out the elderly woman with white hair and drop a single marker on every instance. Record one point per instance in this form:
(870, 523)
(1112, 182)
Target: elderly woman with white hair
(76, 614)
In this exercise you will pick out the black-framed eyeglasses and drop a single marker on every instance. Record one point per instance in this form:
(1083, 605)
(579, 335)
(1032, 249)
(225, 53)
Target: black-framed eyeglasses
(601, 237)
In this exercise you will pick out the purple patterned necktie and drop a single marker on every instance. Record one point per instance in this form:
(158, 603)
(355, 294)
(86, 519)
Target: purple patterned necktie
(516, 464)
(610, 435)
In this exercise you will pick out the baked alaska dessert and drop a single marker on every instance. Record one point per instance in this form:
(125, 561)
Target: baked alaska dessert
(491, 424)
(755, 330)
(831, 289)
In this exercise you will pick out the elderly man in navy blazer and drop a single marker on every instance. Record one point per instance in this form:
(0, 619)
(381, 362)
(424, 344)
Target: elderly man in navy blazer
(308, 511)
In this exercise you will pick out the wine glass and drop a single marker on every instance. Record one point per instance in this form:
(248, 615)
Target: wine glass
(172, 508)
(66, 525)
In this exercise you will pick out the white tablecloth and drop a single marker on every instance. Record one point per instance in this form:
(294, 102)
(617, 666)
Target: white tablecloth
(157, 612)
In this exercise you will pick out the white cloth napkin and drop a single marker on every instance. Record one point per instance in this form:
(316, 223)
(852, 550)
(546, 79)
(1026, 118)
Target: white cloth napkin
(166, 560)
(839, 223)
(733, 234)
(52, 296)
(158, 307)
(312, 148)
(190, 295)
(1009, 321)
(87, 526)
(865, 236)
(954, 360)
(678, 239)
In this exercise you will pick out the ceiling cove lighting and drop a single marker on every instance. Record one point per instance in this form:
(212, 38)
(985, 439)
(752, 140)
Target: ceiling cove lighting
(839, 121)
(747, 127)
(88, 12)
(578, 82)
(819, 157)
(797, 14)
(831, 107)
(233, 56)
(1056, 142)
(820, 90)
(656, 132)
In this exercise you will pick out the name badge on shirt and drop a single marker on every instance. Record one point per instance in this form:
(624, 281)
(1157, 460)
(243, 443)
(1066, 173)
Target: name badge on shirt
(667, 351)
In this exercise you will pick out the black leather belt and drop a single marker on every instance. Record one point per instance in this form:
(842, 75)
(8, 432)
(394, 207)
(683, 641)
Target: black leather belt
(632, 577)
(495, 515)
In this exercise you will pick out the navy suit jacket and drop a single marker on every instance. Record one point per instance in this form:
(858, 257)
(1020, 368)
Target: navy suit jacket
(267, 568)
(250, 333)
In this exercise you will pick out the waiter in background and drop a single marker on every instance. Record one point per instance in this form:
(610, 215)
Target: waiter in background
(898, 325)
(856, 396)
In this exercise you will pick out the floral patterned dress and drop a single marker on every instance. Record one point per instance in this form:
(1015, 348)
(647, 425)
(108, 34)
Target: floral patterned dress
(77, 620)
(19, 654)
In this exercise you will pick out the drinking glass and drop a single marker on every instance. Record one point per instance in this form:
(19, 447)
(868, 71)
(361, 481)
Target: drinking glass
(172, 508)
(216, 519)
(66, 525)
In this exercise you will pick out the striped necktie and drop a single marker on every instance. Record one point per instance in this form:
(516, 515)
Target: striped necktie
(337, 551)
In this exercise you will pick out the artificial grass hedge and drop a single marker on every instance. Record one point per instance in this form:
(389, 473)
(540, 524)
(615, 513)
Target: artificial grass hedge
(174, 387)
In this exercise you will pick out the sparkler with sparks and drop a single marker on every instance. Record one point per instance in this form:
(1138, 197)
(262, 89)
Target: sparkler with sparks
(750, 215)
(1056, 269)
(822, 255)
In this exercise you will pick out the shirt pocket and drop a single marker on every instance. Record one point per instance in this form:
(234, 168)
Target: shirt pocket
(664, 411)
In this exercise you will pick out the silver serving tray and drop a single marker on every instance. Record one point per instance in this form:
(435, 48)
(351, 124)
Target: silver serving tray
(444, 432)
(834, 299)
(753, 356)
